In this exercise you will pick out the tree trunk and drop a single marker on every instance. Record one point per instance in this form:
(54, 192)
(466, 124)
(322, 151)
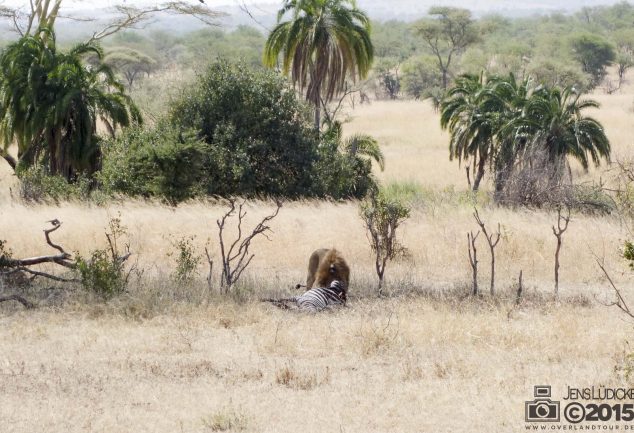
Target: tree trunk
(380, 272)
(557, 266)
(317, 118)
(444, 79)
(52, 153)
(503, 172)
(10, 160)
(479, 175)
(492, 271)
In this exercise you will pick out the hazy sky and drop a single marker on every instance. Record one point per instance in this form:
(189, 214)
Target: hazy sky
(374, 7)
(87, 4)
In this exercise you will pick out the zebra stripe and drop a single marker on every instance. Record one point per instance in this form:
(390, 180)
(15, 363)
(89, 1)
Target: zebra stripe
(320, 298)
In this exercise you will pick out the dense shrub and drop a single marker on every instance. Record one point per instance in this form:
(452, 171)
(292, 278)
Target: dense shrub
(104, 272)
(237, 131)
(256, 128)
(159, 162)
(339, 174)
(36, 185)
(101, 274)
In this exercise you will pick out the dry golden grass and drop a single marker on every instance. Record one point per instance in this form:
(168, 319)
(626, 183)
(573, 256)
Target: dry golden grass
(435, 236)
(410, 363)
(415, 148)
(379, 366)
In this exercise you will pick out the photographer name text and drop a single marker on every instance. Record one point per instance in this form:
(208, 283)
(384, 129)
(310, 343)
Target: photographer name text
(599, 393)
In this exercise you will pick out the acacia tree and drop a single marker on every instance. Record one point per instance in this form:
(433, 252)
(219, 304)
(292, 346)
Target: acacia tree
(625, 53)
(447, 33)
(324, 43)
(130, 63)
(594, 54)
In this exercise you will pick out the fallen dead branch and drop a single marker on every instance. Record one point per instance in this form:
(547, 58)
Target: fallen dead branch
(10, 266)
(27, 304)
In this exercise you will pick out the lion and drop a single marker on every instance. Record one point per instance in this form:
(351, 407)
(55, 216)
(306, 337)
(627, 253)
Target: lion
(325, 266)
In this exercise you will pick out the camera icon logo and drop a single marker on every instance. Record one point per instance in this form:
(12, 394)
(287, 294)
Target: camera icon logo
(542, 409)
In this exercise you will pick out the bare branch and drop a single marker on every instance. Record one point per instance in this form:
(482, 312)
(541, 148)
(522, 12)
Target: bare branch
(56, 225)
(210, 262)
(15, 17)
(18, 298)
(348, 91)
(244, 8)
(562, 226)
(60, 259)
(237, 258)
(473, 259)
(45, 12)
(36, 274)
(620, 302)
(492, 239)
(133, 17)
(14, 266)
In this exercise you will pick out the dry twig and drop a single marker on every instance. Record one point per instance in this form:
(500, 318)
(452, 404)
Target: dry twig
(236, 258)
(562, 226)
(492, 239)
(473, 259)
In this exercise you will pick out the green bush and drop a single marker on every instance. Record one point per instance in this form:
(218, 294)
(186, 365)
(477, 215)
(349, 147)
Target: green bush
(257, 130)
(36, 185)
(101, 274)
(338, 175)
(237, 131)
(186, 260)
(104, 272)
(628, 253)
(382, 216)
(159, 162)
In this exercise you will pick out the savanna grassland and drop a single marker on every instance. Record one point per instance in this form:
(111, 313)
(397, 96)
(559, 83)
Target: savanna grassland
(174, 358)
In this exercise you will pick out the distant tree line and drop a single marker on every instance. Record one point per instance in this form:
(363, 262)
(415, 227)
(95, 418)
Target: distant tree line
(421, 59)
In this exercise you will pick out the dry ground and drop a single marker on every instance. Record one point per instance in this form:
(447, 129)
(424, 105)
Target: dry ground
(379, 366)
(410, 363)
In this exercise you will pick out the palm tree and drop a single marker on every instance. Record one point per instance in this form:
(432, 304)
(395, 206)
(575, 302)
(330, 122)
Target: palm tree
(554, 120)
(24, 67)
(471, 115)
(505, 123)
(81, 96)
(323, 43)
(51, 102)
(366, 146)
(511, 96)
(357, 145)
